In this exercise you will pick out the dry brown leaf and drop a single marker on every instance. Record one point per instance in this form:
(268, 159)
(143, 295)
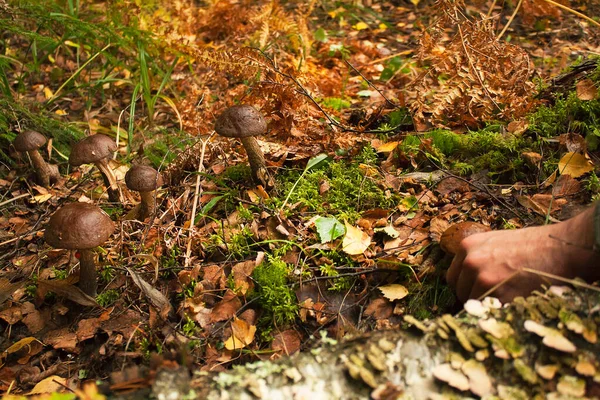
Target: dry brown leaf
(287, 342)
(157, 299)
(226, 308)
(586, 90)
(66, 289)
(242, 273)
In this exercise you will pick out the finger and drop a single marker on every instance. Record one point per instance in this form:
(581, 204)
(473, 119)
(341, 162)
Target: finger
(454, 271)
(465, 283)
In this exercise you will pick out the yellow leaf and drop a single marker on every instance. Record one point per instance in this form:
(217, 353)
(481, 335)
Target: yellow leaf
(42, 198)
(48, 93)
(386, 147)
(368, 170)
(60, 112)
(52, 384)
(415, 2)
(394, 292)
(356, 241)
(574, 164)
(360, 26)
(383, 27)
(242, 335)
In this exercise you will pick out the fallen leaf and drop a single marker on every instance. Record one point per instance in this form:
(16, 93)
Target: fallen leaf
(242, 335)
(287, 342)
(329, 228)
(65, 288)
(356, 241)
(394, 292)
(574, 164)
(386, 147)
(52, 384)
(157, 299)
(586, 90)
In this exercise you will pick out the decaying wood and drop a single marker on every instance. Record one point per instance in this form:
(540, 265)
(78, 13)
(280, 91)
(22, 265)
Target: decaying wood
(541, 347)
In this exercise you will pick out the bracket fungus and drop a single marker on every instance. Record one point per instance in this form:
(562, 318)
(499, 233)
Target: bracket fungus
(245, 122)
(144, 179)
(452, 236)
(97, 150)
(30, 142)
(82, 227)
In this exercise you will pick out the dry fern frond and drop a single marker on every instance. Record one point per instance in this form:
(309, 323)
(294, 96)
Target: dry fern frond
(473, 77)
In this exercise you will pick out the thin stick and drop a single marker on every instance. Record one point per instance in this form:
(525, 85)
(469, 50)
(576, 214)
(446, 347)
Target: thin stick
(567, 9)
(14, 199)
(489, 14)
(197, 193)
(510, 20)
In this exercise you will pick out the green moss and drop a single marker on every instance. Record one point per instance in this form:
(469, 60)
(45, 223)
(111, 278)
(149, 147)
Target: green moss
(472, 151)
(350, 191)
(108, 297)
(238, 174)
(276, 298)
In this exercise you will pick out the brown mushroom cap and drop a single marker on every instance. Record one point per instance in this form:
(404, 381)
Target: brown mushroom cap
(241, 121)
(78, 226)
(143, 178)
(452, 236)
(29, 140)
(92, 149)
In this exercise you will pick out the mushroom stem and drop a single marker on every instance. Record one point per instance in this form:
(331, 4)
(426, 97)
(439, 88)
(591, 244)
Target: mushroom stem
(148, 204)
(110, 180)
(87, 272)
(42, 169)
(257, 161)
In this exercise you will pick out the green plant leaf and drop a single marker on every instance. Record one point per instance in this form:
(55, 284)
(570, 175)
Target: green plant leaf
(329, 228)
(316, 161)
(321, 35)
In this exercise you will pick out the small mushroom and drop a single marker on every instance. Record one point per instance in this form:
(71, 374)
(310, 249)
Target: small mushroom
(245, 123)
(82, 227)
(144, 179)
(97, 150)
(30, 142)
(452, 236)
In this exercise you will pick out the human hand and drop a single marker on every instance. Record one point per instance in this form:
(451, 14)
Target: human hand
(486, 260)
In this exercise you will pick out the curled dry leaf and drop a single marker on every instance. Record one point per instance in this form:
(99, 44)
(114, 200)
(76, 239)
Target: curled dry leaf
(242, 335)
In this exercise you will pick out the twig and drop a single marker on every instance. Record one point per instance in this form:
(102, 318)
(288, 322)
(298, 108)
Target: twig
(510, 20)
(197, 193)
(370, 84)
(14, 199)
(570, 10)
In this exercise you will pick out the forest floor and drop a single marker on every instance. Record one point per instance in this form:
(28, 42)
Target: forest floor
(387, 123)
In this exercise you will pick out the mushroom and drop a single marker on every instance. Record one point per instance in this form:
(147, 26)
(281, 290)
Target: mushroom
(144, 179)
(452, 236)
(30, 142)
(245, 122)
(82, 227)
(97, 149)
